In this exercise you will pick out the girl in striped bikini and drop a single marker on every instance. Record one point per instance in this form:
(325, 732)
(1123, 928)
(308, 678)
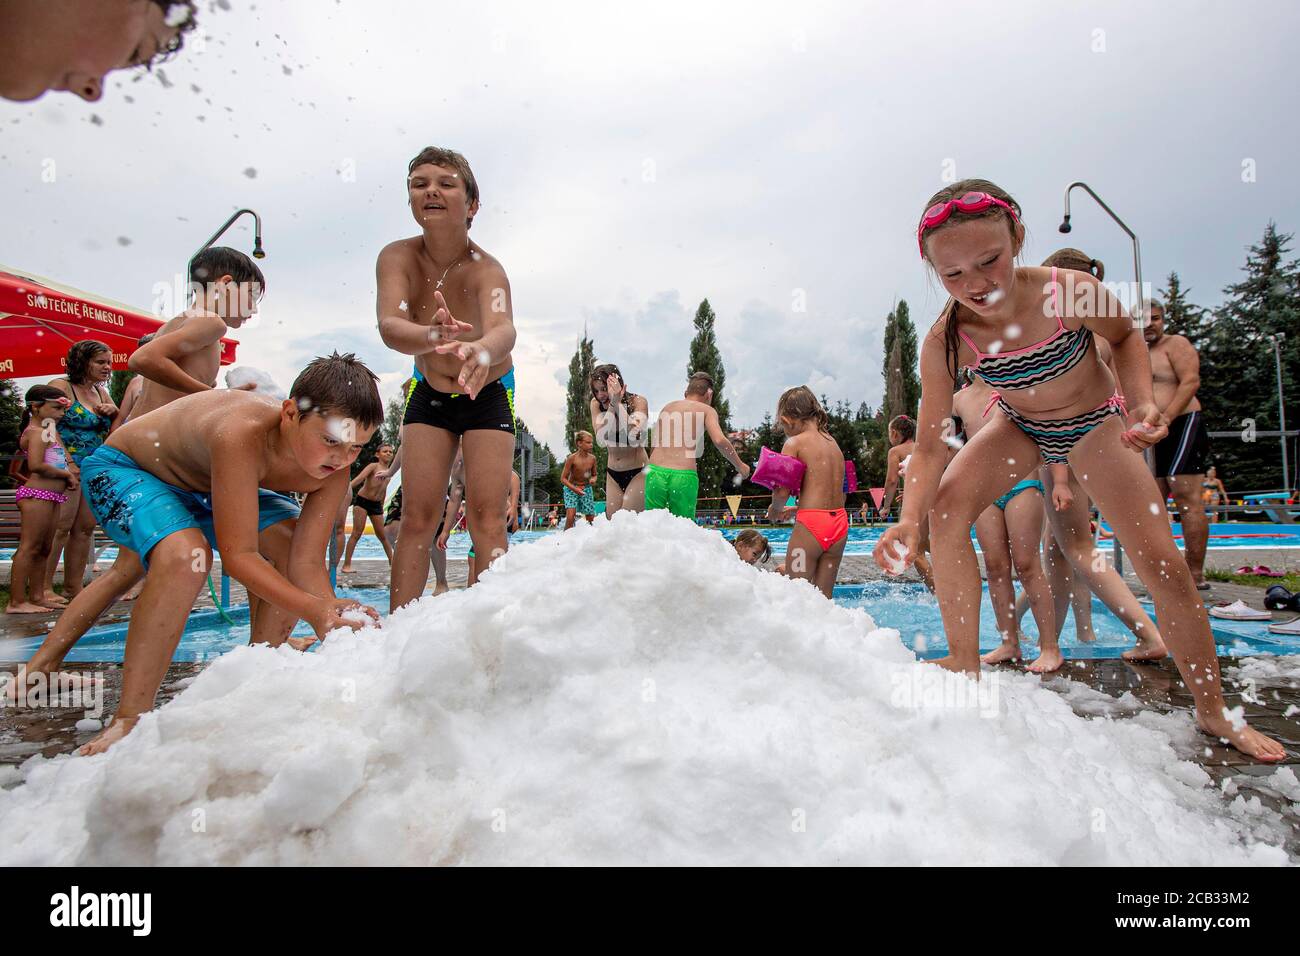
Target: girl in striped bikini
(1056, 402)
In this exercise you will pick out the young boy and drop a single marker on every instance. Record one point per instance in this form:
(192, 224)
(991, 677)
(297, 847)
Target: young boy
(181, 358)
(454, 501)
(579, 478)
(368, 502)
(446, 302)
(203, 473)
(671, 479)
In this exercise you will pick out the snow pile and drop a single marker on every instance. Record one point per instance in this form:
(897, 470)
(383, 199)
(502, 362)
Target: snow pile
(254, 380)
(626, 693)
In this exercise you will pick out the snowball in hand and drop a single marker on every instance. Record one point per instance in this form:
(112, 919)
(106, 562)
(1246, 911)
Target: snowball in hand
(898, 559)
(262, 383)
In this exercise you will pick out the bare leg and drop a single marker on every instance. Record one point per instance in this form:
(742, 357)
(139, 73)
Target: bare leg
(77, 551)
(613, 496)
(568, 518)
(1120, 483)
(27, 573)
(828, 568)
(427, 452)
(359, 517)
(1186, 491)
(440, 585)
(1073, 533)
(489, 456)
(82, 612)
(62, 529)
(155, 629)
(991, 532)
(803, 554)
(634, 497)
(383, 538)
(988, 465)
(1024, 516)
(273, 625)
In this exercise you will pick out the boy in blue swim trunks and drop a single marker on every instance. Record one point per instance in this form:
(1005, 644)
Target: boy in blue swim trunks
(579, 480)
(213, 471)
(446, 302)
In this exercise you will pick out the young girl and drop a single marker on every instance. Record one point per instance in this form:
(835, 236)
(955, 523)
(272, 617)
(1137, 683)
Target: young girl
(1009, 531)
(51, 480)
(752, 547)
(83, 428)
(821, 525)
(902, 442)
(1057, 402)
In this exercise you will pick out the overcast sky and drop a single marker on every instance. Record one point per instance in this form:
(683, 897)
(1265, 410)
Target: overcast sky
(634, 159)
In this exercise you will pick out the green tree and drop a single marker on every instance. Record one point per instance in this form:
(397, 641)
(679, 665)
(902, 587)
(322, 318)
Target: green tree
(117, 383)
(577, 415)
(1238, 371)
(714, 470)
(11, 411)
(1181, 316)
(391, 429)
(901, 374)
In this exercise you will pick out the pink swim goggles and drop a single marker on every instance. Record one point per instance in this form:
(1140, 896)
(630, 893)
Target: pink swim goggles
(970, 202)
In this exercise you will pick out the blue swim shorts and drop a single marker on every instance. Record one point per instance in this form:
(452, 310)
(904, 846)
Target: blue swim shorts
(137, 509)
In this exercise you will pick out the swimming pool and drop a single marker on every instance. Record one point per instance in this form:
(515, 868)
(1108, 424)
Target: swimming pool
(906, 607)
(862, 540)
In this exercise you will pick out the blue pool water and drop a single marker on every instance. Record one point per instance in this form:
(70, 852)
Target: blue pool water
(906, 607)
(862, 539)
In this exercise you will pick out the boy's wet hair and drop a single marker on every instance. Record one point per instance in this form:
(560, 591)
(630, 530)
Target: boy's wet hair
(441, 156)
(579, 435)
(145, 339)
(79, 359)
(955, 191)
(749, 538)
(800, 404)
(1078, 260)
(217, 261)
(904, 426)
(699, 383)
(339, 385)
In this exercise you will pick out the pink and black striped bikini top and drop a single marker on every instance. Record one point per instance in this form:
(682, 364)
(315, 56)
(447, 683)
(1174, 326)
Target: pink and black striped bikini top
(1037, 363)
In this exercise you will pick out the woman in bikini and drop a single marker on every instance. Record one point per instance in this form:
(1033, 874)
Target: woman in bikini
(1213, 493)
(82, 429)
(1056, 402)
(619, 418)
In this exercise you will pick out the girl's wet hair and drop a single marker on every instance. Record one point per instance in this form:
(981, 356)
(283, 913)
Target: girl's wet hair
(79, 358)
(1077, 260)
(38, 395)
(749, 538)
(800, 404)
(904, 426)
(580, 435)
(955, 191)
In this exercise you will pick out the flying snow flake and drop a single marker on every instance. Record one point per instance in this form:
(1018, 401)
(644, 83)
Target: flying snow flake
(251, 172)
(994, 297)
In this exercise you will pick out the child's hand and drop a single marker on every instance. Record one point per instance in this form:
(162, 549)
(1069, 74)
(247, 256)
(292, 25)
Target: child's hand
(445, 325)
(73, 482)
(745, 470)
(106, 409)
(1146, 427)
(445, 533)
(898, 547)
(342, 612)
(1062, 497)
(615, 386)
(474, 365)
(382, 474)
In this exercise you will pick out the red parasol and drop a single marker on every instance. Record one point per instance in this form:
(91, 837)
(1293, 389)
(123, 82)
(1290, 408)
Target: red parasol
(39, 320)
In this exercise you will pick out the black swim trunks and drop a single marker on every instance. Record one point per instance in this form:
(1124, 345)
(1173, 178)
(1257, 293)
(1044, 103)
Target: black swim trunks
(494, 409)
(1184, 450)
(371, 507)
(623, 478)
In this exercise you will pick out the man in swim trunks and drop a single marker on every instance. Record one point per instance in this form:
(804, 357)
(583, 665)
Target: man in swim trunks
(445, 302)
(368, 503)
(672, 480)
(1180, 457)
(579, 480)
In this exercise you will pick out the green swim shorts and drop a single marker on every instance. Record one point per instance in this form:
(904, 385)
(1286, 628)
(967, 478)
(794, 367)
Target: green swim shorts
(673, 488)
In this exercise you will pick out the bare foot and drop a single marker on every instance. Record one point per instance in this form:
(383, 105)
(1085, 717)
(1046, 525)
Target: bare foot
(302, 643)
(1246, 739)
(119, 728)
(347, 569)
(26, 607)
(1146, 651)
(50, 600)
(1046, 662)
(1006, 651)
(440, 588)
(1085, 634)
(950, 663)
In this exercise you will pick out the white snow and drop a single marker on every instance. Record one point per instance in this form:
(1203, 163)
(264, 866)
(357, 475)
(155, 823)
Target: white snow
(261, 381)
(628, 692)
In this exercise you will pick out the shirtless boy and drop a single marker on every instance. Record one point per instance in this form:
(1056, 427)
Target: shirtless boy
(212, 471)
(672, 480)
(181, 358)
(369, 488)
(446, 302)
(579, 478)
(1180, 456)
(902, 442)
